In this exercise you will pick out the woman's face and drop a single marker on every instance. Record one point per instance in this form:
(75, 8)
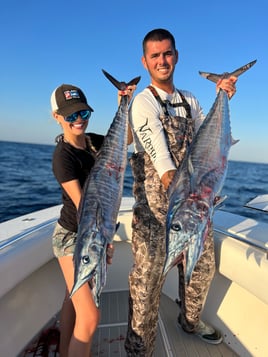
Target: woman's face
(76, 127)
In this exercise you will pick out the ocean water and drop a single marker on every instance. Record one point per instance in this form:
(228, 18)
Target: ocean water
(27, 183)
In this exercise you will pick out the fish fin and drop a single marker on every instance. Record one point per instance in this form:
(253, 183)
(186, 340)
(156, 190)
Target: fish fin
(215, 77)
(243, 69)
(117, 226)
(210, 76)
(218, 200)
(235, 141)
(115, 82)
(134, 81)
(120, 85)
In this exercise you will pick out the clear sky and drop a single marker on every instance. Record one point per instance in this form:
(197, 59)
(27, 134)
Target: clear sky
(47, 43)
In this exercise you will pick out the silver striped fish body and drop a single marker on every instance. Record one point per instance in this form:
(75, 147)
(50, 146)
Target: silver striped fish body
(100, 204)
(195, 185)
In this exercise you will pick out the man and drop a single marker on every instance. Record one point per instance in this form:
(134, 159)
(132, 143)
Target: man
(163, 121)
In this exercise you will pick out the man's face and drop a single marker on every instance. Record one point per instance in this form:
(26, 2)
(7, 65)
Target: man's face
(160, 60)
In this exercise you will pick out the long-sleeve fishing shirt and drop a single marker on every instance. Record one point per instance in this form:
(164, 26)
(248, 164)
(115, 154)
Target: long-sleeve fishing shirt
(148, 133)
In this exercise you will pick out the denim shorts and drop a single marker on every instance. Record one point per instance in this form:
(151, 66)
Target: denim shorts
(63, 241)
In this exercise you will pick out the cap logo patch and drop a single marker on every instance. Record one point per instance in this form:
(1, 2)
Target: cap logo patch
(71, 94)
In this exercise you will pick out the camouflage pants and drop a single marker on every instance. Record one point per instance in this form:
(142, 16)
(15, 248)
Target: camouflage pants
(149, 251)
(146, 281)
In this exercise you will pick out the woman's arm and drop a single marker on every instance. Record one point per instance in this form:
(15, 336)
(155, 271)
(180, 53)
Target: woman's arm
(74, 191)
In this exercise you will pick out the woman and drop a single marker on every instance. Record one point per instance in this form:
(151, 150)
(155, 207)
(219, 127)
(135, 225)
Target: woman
(73, 159)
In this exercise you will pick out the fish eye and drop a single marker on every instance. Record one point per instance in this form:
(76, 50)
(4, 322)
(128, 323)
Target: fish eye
(85, 259)
(176, 227)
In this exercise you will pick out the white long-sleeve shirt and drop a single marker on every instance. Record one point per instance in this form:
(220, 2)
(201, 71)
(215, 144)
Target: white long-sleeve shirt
(148, 132)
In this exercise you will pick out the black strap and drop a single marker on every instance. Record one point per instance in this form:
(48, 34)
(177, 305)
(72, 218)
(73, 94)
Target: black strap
(164, 104)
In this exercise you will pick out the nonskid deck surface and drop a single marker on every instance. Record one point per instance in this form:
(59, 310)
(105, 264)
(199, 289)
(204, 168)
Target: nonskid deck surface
(111, 333)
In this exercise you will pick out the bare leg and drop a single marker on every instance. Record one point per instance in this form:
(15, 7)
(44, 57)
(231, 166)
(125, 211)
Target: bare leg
(87, 315)
(67, 320)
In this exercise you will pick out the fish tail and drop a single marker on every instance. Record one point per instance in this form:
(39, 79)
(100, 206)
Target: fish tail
(121, 85)
(243, 69)
(215, 77)
(134, 81)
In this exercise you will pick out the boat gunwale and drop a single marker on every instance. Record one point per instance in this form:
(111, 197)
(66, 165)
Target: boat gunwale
(241, 239)
(18, 237)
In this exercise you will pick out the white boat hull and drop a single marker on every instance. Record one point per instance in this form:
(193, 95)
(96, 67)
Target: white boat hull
(32, 287)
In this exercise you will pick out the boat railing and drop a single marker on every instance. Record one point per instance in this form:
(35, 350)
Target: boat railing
(244, 240)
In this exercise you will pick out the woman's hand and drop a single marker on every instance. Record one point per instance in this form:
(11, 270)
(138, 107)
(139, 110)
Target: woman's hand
(109, 253)
(129, 92)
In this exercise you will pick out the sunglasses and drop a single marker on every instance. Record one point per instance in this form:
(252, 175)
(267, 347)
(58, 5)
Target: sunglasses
(84, 114)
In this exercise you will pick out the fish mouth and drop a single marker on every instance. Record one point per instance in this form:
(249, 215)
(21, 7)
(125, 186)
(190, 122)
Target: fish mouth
(81, 281)
(76, 287)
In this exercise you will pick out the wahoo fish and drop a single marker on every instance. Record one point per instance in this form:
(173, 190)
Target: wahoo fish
(198, 182)
(100, 201)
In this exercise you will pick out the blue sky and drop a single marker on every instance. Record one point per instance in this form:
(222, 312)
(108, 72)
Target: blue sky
(47, 43)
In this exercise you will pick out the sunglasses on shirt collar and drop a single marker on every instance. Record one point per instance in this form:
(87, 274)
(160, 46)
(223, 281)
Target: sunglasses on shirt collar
(84, 114)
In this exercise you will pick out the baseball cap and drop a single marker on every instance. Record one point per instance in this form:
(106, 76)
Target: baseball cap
(68, 99)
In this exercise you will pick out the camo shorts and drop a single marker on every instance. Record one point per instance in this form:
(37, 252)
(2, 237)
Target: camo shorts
(63, 241)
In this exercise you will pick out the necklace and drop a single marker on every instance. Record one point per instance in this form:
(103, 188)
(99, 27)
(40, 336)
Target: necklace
(77, 146)
(88, 146)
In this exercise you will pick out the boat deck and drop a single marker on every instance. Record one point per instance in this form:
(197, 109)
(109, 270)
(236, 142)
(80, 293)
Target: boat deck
(110, 336)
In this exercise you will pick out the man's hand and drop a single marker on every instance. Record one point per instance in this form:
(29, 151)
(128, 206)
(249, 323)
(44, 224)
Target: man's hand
(228, 85)
(167, 178)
